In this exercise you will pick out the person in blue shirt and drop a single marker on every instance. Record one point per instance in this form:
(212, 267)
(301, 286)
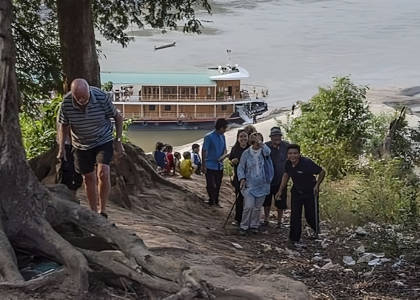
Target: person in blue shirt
(159, 155)
(304, 192)
(196, 158)
(214, 149)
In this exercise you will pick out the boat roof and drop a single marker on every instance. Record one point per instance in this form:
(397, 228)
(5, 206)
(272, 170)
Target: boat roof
(173, 79)
(163, 79)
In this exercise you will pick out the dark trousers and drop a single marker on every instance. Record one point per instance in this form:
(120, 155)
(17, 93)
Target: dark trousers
(239, 207)
(213, 181)
(300, 200)
(198, 170)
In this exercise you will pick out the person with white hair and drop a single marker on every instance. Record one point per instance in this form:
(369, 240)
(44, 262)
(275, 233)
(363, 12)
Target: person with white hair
(85, 115)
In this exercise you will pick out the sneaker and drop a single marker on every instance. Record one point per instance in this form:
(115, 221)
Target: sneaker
(235, 223)
(103, 214)
(218, 205)
(291, 244)
(243, 232)
(314, 236)
(254, 230)
(264, 223)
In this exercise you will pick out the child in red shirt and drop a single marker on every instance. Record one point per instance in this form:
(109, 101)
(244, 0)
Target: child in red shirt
(170, 165)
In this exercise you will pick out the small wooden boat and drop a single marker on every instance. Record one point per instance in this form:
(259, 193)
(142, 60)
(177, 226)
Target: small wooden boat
(165, 46)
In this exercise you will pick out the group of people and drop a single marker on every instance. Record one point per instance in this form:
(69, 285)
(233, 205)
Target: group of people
(169, 163)
(261, 170)
(261, 175)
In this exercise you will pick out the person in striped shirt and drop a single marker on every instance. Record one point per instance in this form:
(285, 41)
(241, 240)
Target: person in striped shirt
(85, 114)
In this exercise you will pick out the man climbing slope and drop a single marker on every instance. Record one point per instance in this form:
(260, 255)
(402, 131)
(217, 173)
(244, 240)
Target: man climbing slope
(85, 113)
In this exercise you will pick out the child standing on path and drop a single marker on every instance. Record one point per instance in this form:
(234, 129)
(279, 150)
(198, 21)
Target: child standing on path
(196, 158)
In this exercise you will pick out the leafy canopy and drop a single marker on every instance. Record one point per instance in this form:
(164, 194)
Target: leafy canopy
(35, 30)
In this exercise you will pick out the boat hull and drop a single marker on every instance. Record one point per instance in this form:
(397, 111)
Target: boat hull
(188, 124)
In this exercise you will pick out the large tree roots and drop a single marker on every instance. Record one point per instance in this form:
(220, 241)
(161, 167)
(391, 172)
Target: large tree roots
(121, 255)
(8, 266)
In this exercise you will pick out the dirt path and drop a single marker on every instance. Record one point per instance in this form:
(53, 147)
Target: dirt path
(191, 229)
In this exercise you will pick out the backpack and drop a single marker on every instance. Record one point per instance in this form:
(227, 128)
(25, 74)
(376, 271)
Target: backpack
(66, 174)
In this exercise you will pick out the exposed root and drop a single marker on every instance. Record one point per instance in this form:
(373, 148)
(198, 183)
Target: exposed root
(43, 238)
(35, 284)
(130, 244)
(191, 288)
(8, 263)
(116, 262)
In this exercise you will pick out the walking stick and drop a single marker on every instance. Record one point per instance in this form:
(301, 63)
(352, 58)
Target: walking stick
(234, 203)
(316, 196)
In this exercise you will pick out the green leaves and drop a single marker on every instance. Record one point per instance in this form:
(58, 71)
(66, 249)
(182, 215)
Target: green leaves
(38, 62)
(333, 126)
(35, 31)
(39, 133)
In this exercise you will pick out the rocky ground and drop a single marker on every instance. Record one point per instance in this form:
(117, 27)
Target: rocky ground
(367, 262)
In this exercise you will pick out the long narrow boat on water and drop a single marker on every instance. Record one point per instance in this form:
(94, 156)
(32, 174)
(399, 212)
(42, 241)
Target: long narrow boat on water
(184, 99)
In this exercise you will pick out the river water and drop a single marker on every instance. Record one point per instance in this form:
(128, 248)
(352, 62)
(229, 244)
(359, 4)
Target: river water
(290, 46)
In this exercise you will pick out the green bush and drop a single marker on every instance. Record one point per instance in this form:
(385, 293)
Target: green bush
(39, 132)
(333, 126)
(382, 192)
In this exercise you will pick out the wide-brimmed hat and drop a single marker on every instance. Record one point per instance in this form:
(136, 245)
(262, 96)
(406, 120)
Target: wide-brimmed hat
(275, 131)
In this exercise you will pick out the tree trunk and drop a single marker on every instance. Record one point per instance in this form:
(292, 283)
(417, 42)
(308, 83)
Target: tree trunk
(21, 195)
(27, 210)
(77, 39)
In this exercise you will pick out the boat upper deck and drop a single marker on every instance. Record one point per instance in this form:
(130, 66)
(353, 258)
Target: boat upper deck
(210, 86)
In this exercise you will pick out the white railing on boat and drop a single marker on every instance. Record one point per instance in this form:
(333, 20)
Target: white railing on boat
(173, 116)
(248, 92)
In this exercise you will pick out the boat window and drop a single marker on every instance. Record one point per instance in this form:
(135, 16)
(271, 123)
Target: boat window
(167, 107)
(152, 107)
(224, 107)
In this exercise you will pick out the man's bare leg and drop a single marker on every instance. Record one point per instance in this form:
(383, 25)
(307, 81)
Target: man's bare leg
(279, 216)
(104, 186)
(91, 190)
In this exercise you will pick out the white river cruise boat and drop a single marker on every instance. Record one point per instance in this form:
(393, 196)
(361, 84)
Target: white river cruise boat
(184, 99)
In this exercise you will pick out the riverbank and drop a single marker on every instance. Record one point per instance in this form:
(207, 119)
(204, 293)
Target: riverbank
(380, 101)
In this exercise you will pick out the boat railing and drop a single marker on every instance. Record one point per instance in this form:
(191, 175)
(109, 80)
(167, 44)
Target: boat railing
(136, 116)
(136, 99)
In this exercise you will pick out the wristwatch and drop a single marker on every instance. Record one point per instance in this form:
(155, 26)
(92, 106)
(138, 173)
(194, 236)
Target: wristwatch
(118, 139)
